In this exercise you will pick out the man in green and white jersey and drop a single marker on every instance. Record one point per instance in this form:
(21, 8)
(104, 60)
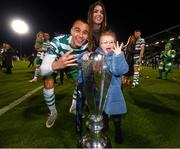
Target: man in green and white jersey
(139, 53)
(63, 53)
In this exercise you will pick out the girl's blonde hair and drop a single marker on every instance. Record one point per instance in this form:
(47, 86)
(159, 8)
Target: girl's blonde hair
(37, 35)
(108, 33)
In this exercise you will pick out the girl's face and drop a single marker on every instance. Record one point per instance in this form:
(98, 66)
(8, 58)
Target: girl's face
(98, 14)
(107, 43)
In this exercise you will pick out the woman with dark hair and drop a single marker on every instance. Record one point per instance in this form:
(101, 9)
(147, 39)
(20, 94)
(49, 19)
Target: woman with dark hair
(97, 21)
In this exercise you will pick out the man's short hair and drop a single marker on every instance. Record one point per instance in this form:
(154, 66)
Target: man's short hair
(82, 20)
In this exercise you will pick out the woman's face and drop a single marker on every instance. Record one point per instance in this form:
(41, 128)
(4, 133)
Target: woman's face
(41, 35)
(132, 39)
(98, 14)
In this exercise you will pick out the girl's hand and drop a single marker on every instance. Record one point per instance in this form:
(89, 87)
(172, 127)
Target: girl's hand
(117, 49)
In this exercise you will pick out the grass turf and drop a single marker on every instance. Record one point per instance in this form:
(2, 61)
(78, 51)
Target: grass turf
(152, 119)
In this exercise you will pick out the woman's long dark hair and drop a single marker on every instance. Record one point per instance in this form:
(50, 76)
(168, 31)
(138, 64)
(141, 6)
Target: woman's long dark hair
(91, 40)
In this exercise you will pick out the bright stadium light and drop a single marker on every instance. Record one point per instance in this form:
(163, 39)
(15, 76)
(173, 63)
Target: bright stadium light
(19, 26)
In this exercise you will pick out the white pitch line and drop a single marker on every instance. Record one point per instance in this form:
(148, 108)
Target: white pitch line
(19, 100)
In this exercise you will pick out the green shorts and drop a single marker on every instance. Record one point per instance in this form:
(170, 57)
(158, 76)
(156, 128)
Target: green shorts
(54, 75)
(72, 76)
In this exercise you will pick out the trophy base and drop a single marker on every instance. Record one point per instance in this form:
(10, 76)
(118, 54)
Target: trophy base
(95, 141)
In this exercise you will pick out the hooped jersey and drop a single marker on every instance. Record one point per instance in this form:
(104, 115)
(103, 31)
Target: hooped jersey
(62, 44)
(140, 42)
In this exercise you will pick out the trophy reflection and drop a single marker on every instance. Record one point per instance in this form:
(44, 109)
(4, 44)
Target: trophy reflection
(96, 79)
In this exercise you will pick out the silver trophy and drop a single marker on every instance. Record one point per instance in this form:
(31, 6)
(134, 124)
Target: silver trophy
(96, 79)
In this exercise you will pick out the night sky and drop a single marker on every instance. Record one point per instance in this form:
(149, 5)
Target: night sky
(58, 16)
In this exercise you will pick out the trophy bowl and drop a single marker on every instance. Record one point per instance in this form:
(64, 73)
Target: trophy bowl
(96, 80)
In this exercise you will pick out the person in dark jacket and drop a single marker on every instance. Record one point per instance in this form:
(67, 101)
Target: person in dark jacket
(3, 64)
(31, 59)
(8, 58)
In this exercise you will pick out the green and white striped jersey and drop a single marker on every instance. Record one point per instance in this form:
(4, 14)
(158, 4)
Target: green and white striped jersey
(60, 45)
(139, 43)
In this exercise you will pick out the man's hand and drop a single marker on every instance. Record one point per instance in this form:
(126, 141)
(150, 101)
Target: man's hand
(65, 61)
